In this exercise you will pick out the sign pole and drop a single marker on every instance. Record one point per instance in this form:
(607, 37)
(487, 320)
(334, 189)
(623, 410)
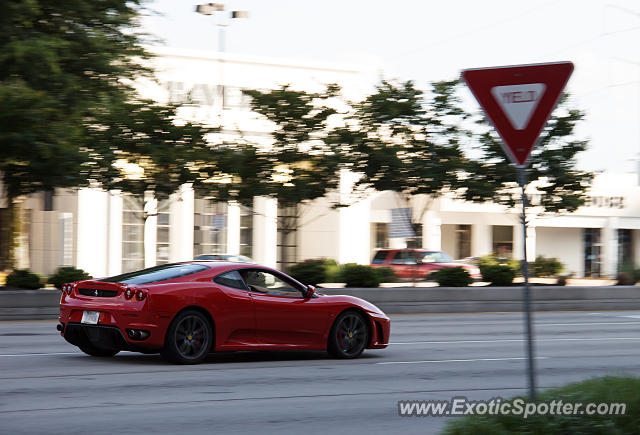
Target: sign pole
(527, 290)
(518, 101)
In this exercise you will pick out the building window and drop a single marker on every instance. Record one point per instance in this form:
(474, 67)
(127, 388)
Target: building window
(210, 227)
(625, 249)
(162, 235)
(503, 240)
(463, 241)
(415, 242)
(592, 252)
(132, 233)
(382, 234)
(287, 236)
(246, 231)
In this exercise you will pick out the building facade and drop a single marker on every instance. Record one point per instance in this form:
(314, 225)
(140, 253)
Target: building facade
(107, 233)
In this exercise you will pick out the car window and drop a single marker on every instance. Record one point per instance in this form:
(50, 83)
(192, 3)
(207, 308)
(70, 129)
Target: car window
(231, 279)
(260, 281)
(436, 257)
(404, 257)
(156, 274)
(379, 257)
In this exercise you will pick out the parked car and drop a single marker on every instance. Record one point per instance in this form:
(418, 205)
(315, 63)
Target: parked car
(186, 310)
(418, 263)
(225, 257)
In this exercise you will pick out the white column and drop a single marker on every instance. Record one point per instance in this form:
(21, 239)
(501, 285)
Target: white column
(150, 230)
(355, 233)
(233, 228)
(181, 211)
(92, 231)
(114, 262)
(517, 243)
(265, 231)
(431, 231)
(610, 248)
(531, 243)
(481, 239)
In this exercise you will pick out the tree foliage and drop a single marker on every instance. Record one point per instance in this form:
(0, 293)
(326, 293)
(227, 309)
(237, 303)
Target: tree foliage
(552, 165)
(69, 113)
(403, 141)
(400, 142)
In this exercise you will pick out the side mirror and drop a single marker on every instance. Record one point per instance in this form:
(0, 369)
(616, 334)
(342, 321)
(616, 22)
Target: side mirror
(310, 291)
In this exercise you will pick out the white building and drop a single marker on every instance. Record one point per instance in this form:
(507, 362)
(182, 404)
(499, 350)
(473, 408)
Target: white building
(104, 232)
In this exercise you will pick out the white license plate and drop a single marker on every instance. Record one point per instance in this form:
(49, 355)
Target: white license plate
(90, 317)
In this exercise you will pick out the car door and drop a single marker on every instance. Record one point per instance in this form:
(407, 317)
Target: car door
(284, 316)
(404, 264)
(235, 316)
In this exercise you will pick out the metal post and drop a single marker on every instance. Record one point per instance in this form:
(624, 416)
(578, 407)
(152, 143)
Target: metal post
(527, 291)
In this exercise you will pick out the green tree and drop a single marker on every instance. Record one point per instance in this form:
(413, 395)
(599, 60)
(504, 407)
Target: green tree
(402, 142)
(296, 167)
(552, 165)
(69, 113)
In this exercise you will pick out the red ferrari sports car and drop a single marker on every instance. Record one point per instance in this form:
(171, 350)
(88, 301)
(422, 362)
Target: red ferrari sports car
(186, 310)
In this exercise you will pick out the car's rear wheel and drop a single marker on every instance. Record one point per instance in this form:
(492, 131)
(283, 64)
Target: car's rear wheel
(188, 339)
(349, 335)
(92, 350)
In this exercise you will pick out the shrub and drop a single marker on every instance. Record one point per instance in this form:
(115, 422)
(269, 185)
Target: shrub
(497, 274)
(451, 277)
(628, 275)
(609, 389)
(67, 274)
(23, 279)
(309, 271)
(546, 266)
(356, 275)
(332, 271)
(385, 274)
(493, 260)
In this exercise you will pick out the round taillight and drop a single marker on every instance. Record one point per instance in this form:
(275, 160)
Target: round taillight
(64, 288)
(69, 288)
(128, 293)
(141, 295)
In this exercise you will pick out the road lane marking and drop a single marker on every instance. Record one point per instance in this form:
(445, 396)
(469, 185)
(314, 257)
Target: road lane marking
(507, 340)
(587, 324)
(458, 360)
(41, 354)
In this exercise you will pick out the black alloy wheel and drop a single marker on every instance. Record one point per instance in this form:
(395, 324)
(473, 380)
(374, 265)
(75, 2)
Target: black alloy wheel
(349, 335)
(188, 339)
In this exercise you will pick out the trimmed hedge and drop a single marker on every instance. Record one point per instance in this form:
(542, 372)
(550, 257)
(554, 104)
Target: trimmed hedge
(356, 275)
(498, 275)
(309, 271)
(543, 266)
(23, 279)
(608, 389)
(67, 274)
(451, 277)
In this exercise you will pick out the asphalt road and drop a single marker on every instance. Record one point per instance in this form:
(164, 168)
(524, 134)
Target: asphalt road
(49, 387)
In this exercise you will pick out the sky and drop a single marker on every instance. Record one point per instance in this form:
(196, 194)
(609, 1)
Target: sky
(427, 41)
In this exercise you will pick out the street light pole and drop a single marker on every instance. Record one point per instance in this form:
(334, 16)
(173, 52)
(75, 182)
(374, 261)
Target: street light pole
(216, 10)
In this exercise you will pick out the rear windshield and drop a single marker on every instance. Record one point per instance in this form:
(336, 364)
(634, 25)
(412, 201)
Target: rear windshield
(157, 273)
(379, 257)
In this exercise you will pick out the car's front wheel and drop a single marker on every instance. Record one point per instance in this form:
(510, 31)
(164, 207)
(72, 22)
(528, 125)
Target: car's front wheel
(349, 335)
(188, 339)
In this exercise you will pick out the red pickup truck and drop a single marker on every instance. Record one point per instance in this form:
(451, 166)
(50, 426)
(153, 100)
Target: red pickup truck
(418, 263)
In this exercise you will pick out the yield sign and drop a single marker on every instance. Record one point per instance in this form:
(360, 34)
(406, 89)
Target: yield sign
(519, 100)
